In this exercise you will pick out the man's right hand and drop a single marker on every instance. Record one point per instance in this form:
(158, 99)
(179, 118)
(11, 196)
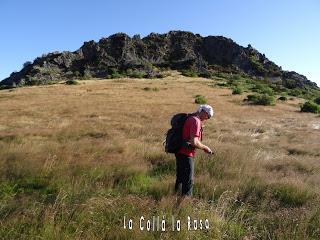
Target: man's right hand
(207, 150)
(196, 143)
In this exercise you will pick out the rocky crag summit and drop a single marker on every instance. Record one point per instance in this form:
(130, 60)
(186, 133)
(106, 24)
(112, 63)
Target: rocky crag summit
(174, 50)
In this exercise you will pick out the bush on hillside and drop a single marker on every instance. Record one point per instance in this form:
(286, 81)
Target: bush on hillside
(222, 84)
(189, 73)
(72, 82)
(295, 92)
(86, 74)
(205, 75)
(263, 89)
(115, 75)
(199, 99)
(136, 74)
(317, 100)
(263, 99)
(237, 90)
(310, 107)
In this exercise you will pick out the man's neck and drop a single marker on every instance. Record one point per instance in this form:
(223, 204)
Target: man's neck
(196, 114)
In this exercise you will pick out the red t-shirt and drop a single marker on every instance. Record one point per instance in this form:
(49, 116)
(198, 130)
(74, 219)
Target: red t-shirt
(191, 126)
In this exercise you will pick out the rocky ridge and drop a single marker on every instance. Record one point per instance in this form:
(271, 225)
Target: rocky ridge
(175, 50)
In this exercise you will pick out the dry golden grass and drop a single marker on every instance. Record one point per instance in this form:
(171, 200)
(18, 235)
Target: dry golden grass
(75, 159)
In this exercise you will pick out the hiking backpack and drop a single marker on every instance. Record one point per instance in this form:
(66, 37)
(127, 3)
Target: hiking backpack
(174, 141)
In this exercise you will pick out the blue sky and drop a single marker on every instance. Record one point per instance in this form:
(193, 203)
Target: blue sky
(287, 32)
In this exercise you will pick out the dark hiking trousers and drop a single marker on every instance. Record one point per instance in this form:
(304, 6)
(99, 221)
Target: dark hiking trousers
(184, 172)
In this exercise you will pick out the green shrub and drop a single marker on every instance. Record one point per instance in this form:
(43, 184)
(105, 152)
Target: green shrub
(222, 84)
(310, 107)
(51, 82)
(8, 190)
(251, 98)
(256, 64)
(189, 73)
(205, 75)
(263, 99)
(237, 90)
(235, 77)
(290, 83)
(86, 74)
(199, 99)
(295, 92)
(72, 82)
(116, 75)
(263, 89)
(278, 88)
(317, 100)
(267, 90)
(266, 100)
(136, 74)
(129, 72)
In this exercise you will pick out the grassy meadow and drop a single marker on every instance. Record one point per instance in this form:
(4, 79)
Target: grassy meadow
(76, 159)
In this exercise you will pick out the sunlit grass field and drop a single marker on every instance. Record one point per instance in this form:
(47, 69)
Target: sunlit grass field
(75, 160)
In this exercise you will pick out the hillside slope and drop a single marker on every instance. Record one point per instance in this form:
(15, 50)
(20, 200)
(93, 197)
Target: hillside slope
(75, 160)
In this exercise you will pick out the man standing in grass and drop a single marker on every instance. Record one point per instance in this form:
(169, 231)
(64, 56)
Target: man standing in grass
(192, 135)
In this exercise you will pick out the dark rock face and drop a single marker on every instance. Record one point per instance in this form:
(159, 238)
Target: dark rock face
(176, 50)
(293, 80)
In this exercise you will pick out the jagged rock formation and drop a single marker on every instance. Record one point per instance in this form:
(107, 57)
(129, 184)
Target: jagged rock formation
(175, 50)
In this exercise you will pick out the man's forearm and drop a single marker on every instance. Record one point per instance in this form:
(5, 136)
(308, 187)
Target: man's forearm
(197, 144)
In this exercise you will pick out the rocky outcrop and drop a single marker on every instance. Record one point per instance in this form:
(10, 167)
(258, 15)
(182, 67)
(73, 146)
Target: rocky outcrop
(175, 50)
(295, 80)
